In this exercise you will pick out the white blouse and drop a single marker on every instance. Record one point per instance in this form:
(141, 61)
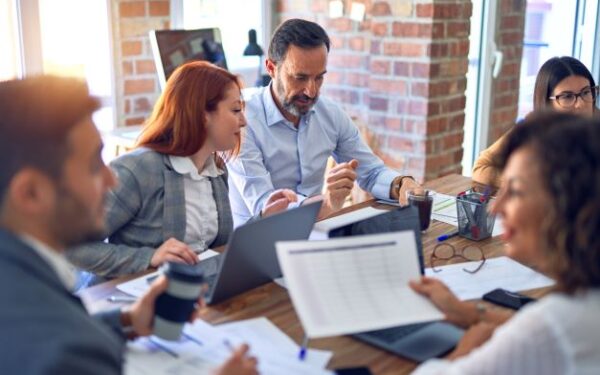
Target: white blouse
(201, 216)
(559, 334)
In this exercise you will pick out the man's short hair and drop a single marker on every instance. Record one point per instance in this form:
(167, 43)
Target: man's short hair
(301, 33)
(36, 116)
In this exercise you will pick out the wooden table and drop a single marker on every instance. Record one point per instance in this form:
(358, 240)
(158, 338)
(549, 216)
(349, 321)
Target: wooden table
(273, 302)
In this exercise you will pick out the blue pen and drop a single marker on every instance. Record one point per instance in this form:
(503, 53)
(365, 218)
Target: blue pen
(303, 348)
(444, 237)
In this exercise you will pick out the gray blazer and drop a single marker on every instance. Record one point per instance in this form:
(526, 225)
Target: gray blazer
(45, 329)
(144, 210)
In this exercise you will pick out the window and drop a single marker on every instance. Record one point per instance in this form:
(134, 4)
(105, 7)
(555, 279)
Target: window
(61, 37)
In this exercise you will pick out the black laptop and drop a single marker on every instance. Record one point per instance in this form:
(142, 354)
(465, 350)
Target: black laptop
(418, 342)
(250, 259)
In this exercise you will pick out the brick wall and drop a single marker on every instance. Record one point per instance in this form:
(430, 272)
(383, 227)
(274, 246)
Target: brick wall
(136, 84)
(402, 72)
(510, 26)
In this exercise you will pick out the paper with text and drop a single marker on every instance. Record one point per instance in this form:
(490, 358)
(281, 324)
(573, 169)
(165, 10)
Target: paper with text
(501, 272)
(354, 284)
(137, 287)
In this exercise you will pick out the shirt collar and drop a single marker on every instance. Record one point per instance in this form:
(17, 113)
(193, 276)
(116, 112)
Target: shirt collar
(273, 114)
(63, 269)
(185, 166)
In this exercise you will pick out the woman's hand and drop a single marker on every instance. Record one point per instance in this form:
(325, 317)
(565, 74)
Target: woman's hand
(457, 312)
(278, 201)
(173, 250)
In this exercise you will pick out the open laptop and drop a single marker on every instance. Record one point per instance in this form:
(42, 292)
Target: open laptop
(417, 342)
(250, 259)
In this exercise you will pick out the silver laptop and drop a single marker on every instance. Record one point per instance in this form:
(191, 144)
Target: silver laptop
(250, 259)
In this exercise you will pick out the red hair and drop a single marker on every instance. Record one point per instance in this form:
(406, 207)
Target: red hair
(177, 125)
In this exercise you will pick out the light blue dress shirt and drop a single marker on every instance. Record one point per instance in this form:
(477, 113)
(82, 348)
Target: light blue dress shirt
(276, 155)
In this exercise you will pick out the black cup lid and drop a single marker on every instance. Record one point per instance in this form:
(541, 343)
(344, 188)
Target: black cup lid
(183, 272)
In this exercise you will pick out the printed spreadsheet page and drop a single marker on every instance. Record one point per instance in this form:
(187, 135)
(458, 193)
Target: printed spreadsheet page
(354, 284)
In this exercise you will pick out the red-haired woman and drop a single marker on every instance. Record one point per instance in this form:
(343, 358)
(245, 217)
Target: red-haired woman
(172, 198)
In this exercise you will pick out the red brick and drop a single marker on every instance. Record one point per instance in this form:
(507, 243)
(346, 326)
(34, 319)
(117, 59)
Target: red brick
(160, 8)
(387, 86)
(425, 10)
(335, 77)
(132, 9)
(402, 69)
(379, 28)
(458, 29)
(393, 123)
(337, 42)
(318, 6)
(127, 106)
(348, 61)
(376, 47)
(127, 68)
(139, 86)
(419, 89)
(438, 30)
(357, 79)
(357, 43)
(131, 48)
(142, 105)
(340, 24)
(411, 29)
(145, 67)
(380, 67)
(417, 108)
(421, 70)
(511, 37)
(378, 104)
(381, 8)
(401, 144)
(404, 49)
(511, 22)
(437, 125)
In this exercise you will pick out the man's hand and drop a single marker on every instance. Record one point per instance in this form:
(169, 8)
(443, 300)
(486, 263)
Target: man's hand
(173, 250)
(408, 184)
(239, 363)
(141, 314)
(278, 201)
(339, 184)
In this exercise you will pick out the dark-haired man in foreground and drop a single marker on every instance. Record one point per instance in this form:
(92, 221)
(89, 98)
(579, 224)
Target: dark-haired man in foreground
(52, 187)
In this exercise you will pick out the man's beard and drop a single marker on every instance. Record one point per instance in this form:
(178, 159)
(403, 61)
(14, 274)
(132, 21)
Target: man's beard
(74, 223)
(289, 106)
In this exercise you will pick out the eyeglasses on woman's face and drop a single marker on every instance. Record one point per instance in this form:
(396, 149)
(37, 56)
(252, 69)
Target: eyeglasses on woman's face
(443, 252)
(568, 99)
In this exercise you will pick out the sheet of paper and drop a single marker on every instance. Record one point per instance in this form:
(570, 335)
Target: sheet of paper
(354, 284)
(501, 272)
(204, 347)
(137, 287)
(444, 209)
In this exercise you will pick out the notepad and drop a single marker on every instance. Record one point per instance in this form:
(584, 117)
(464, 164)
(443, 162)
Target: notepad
(354, 284)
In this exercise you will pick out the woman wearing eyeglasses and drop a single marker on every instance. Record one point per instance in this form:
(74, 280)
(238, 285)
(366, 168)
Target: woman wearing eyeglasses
(550, 204)
(563, 84)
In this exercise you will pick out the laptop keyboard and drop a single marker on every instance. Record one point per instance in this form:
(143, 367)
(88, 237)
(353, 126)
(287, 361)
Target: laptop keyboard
(391, 335)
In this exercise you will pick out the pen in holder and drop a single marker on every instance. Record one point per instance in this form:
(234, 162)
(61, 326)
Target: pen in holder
(474, 220)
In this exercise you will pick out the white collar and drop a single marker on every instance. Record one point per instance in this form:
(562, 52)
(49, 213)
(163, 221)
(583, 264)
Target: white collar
(63, 269)
(185, 166)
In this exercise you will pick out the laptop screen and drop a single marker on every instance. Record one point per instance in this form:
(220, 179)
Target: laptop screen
(171, 48)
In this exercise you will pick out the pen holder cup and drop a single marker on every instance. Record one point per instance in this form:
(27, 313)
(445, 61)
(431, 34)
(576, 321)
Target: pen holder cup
(474, 220)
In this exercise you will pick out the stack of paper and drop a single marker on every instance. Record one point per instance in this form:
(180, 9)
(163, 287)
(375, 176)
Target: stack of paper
(354, 284)
(501, 272)
(137, 287)
(205, 347)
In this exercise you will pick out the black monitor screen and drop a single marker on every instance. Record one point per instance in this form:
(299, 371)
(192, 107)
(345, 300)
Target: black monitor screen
(172, 48)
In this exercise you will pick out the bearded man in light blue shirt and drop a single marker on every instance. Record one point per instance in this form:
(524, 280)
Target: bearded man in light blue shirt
(292, 131)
